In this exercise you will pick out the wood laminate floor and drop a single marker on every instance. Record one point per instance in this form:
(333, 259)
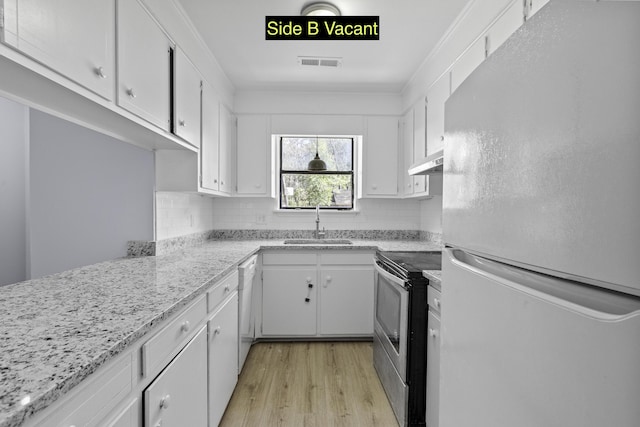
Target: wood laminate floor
(309, 384)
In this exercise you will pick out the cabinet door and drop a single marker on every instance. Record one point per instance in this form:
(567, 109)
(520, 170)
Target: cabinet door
(504, 26)
(227, 135)
(407, 142)
(289, 302)
(468, 62)
(223, 358)
(75, 38)
(346, 301)
(186, 92)
(178, 396)
(143, 64)
(419, 143)
(381, 157)
(433, 370)
(209, 148)
(437, 95)
(533, 6)
(252, 155)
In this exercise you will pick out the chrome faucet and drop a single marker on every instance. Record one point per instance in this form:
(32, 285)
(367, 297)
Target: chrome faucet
(319, 234)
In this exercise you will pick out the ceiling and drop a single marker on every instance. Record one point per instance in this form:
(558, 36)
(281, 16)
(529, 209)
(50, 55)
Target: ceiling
(235, 34)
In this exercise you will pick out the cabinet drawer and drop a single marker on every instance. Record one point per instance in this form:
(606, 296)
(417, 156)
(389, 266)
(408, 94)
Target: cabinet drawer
(222, 290)
(346, 258)
(289, 258)
(435, 299)
(168, 340)
(97, 399)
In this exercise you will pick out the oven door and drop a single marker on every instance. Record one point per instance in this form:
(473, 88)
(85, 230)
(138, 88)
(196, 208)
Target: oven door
(391, 318)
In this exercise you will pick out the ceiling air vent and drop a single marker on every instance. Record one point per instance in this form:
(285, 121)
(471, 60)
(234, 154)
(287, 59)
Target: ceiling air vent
(318, 61)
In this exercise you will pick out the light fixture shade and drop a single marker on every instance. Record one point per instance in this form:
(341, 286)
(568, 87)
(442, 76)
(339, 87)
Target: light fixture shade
(320, 9)
(317, 164)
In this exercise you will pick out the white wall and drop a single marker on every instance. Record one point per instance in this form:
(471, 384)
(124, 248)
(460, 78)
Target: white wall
(13, 187)
(179, 214)
(431, 215)
(260, 214)
(90, 194)
(334, 103)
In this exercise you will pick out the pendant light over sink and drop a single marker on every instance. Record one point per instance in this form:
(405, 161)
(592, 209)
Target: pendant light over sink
(317, 164)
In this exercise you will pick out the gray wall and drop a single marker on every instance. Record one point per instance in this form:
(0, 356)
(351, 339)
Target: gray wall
(13, 176)
(90, 194)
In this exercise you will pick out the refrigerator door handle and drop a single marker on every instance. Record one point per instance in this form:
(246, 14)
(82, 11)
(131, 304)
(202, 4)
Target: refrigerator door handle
(587, 300)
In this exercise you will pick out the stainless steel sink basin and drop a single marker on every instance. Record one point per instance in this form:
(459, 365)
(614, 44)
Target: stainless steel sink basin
(317, 242)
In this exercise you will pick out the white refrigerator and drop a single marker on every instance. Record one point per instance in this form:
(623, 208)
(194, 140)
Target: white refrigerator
(541, 219)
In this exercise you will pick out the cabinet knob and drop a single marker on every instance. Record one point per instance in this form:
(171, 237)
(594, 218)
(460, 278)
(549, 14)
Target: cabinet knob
(433, 332)
(100, 72)
(221, 182)
(437, 302)
(185, 326)
(441, 137)
(131, 93)
(164, 402)
(215, 181)
(417, 183)
(375, 187)
(217, 330)
(258, 185)
(409, 185)
(182, 123)
(227, 288)
(308, 279)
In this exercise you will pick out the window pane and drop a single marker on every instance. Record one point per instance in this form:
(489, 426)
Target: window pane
(298, 152)
(309, 190)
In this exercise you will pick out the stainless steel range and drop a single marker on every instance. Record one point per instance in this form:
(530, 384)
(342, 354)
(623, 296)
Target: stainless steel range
(400, 338)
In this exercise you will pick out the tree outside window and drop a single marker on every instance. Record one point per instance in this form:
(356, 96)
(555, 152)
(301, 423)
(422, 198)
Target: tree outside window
(303, 189)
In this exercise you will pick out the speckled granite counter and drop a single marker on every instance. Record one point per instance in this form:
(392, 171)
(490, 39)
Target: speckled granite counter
(435, 276)
(59, 329)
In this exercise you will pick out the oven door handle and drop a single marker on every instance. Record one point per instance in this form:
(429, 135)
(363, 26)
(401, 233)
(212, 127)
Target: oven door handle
(394, 280)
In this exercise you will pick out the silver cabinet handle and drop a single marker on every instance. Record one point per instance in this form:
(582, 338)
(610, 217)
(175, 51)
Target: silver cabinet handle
(185, 326)
(433, 332)
(437, 302)
(100, 72)
(182, 123)
(131, 93)
(164, 402)
(227, 288)
(217, 330)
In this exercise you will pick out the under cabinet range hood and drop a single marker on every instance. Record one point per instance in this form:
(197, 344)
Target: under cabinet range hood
(428, 165)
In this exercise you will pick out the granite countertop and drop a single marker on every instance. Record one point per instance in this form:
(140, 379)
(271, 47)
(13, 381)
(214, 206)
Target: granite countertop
(59, 329)
(434, 276)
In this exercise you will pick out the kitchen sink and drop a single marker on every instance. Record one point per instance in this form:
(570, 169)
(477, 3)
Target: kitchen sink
(317, 242)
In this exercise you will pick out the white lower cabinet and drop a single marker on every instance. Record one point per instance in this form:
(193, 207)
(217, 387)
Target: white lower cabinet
(289, 301)
(178, 396)
(317, 294)
(223, 357)
(346, 304)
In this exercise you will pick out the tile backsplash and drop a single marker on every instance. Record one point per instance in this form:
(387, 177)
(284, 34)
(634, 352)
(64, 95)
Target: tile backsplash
(260, 213)
(180, 214)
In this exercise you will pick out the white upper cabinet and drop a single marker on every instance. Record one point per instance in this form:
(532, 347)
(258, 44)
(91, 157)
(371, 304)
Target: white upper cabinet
(467, 62)
(437, 95)
(143, 64)
(186, 92)
(209, 148)
(380, 148)
(74, 38)
(419, 144)
(504, 26)
(407, 145)
(533, 6)
(227, 134)
(253, 158)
